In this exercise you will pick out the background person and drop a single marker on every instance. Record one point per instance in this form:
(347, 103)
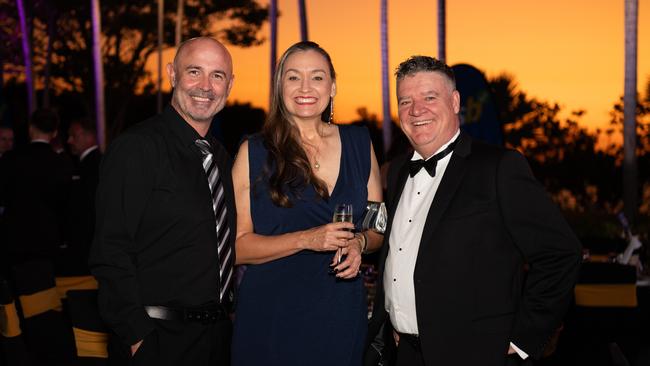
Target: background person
(82, 143)
(34, 187)
(6, 139)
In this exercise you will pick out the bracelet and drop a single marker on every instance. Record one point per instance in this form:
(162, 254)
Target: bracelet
(363, 240)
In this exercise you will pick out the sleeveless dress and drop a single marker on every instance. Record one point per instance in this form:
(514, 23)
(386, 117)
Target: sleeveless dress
(291, 311)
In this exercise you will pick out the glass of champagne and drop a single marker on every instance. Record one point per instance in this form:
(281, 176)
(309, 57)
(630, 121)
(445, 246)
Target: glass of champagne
(342, 213)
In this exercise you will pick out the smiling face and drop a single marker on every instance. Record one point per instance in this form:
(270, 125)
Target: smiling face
(307, 85)
(428, 107)
(202, 78)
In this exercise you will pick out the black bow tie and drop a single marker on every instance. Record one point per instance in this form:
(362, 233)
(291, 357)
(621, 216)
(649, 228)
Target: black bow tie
(429, 164)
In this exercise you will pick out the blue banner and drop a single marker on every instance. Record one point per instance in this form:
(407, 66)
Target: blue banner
(478, 113)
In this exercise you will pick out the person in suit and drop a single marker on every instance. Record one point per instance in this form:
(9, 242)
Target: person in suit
(82, 142)
(34, 186)
(6, 144)
(6, 139)
(163, 249)
(454, 288)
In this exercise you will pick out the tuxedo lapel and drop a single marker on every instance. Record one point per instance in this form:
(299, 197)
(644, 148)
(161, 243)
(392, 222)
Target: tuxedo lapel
(451, 180)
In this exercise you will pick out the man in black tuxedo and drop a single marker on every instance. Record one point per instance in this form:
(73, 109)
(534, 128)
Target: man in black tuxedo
(82, 141)
(462, 230)
(34, 186)
(163, 248)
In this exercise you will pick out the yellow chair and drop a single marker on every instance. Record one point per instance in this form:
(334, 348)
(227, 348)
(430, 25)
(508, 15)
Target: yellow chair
(47, 333)
(13, 347)
(67, 283)
(90, 332)
(606, 295)
(606, 285)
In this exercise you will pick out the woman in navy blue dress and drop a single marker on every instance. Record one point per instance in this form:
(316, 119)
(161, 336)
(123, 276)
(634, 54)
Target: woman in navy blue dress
(296, 305)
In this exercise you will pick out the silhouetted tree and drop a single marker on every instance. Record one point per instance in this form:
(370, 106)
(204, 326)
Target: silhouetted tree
(128, 38)
(385, 85)
(642, 143)
(563, 155)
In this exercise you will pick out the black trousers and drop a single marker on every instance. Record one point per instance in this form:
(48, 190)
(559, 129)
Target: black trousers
(408, 355)
(177, 343)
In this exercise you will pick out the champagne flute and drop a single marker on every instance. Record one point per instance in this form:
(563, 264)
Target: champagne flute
(342, 213)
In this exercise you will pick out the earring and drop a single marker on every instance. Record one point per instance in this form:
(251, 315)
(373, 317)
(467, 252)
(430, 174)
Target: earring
(331, 117)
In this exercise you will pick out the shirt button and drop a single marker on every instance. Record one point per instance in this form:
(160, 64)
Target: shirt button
(400, 249)
(394, 279)
(409, 220)
(418, 192)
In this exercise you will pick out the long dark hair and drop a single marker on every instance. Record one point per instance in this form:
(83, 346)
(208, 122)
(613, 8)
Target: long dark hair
(287, 165)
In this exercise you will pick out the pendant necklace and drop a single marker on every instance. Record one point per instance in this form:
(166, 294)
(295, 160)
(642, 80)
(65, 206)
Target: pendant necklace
(317, 154)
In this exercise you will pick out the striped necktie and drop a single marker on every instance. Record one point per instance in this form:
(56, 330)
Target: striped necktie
(224, 251)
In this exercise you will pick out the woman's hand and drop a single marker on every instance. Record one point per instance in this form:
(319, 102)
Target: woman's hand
(349, 268)
(327, 237)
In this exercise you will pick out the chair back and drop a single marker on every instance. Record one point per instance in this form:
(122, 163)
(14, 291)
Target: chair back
(12, 346)
(67, 283)
(608, 285)
(46, 331)
(90, 332)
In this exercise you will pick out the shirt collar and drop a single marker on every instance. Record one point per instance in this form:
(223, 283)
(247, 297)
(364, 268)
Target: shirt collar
(180, 127)
(417, 156)
(87, 151)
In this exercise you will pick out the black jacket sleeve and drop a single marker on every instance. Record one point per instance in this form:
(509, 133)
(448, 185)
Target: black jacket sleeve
(548, 245)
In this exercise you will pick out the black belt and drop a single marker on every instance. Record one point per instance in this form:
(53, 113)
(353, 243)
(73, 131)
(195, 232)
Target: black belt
(412, 339)
(205, 315)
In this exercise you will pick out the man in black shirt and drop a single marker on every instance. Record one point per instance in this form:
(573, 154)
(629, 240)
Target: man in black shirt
(163, 248)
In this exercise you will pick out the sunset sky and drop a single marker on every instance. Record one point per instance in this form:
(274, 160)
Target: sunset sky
(565, 51)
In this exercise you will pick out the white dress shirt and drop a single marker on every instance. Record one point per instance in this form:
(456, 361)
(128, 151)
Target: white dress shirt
(406, 233)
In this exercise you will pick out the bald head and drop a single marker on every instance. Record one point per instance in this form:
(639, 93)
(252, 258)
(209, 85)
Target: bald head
(201, 76)
(186, 48)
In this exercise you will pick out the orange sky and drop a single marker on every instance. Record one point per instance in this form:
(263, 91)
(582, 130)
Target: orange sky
(570, 52)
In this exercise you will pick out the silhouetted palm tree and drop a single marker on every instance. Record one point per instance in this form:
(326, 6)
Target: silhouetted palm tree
(629, 111)
(302, 12)
(273, 21)
(179, 22)
(161, 41)
(442, 31)
(51, 34)
(385, 86)
(27, 56)
(98, 67)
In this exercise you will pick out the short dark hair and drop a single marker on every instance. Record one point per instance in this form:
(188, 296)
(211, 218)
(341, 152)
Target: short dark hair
(415, 64)
(86, 124)
(45, 120)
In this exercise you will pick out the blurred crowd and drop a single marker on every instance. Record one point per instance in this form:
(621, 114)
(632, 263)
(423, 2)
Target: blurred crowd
(47, 189)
